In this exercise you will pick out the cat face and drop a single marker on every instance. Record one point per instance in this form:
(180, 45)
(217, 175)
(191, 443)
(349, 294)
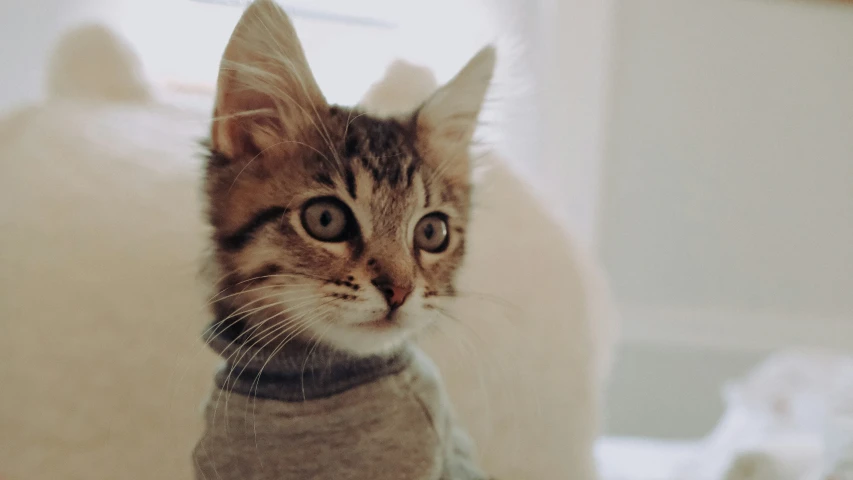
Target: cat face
(332, 225)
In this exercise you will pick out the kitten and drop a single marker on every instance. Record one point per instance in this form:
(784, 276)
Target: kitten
(337, 236)
(349, 226)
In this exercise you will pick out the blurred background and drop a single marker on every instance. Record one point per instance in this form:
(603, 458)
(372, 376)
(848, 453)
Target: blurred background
(703, 149)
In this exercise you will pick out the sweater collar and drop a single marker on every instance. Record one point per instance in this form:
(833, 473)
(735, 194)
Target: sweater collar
(297, 372)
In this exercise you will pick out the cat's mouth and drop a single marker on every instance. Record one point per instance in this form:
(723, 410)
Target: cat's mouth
(381, 324)
(389, 322)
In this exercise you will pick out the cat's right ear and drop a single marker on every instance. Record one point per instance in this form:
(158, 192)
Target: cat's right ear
(266, 93)
(447, 120)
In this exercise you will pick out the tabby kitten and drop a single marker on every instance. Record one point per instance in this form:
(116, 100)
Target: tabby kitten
(332, 225)
(338, 235)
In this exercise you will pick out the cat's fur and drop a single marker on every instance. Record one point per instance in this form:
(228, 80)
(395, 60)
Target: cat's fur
(100, 362)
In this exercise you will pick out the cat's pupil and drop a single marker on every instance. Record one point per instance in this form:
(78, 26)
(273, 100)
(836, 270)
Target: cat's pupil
(429, 231)
(325, 218)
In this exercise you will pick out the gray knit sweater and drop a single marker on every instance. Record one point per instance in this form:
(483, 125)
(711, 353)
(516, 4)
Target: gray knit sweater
(301, 414)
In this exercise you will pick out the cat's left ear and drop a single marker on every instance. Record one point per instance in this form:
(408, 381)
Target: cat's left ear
(446, 121)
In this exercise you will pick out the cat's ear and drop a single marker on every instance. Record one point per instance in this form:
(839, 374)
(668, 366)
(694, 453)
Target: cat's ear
(266, 92)
(446, 121)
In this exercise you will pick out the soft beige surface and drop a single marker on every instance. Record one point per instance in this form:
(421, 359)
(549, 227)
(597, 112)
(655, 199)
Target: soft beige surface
(101, 370)
(100, 311)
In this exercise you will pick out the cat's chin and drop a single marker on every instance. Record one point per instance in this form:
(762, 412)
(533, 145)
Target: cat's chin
(367, 338)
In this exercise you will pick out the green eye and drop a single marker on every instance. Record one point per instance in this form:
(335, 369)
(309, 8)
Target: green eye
(431, 233)
(327, 219)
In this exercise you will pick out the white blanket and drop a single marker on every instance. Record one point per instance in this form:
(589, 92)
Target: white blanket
(788, 419)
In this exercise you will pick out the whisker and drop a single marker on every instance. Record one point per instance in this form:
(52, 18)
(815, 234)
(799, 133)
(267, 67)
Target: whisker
(465, 347)
(314, 316)
(221, 326)
(307, 301)
(257, 340)
(504, 361)
(292, 333)
(312, 320)
(245, 312)
(248, 290)
(219, 280)
(486, 296)
(284, 325)
(245, 113)
(243, 349)
(305, 362)
(215, 328)
(262, 287)
(278, 275)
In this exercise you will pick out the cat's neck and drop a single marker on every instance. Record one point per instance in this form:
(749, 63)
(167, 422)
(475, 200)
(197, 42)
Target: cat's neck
(295, 370)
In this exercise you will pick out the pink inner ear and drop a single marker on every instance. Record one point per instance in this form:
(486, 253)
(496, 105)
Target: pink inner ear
(454, 133)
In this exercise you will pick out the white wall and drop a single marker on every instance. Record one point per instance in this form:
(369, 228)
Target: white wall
(182, 40)
(570, 55)
(28, 30)
(727, 218)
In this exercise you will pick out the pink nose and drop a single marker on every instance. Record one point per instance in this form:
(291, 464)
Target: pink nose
(395, 295)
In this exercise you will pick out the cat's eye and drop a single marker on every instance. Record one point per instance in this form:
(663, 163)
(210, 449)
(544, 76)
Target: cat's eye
(327, 219)
(431, 233)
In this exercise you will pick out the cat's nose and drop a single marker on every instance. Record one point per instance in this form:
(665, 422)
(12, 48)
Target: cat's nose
(394, 294)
